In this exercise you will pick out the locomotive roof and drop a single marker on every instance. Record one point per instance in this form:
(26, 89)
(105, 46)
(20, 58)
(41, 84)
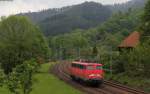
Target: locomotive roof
(86, 63)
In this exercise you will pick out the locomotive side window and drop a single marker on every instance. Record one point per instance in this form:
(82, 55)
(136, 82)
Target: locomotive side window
(73, 65)
(78, 66)
(82, 67)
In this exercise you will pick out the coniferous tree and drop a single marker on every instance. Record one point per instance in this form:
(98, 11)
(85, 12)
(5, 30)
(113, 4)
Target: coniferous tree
(146, 19)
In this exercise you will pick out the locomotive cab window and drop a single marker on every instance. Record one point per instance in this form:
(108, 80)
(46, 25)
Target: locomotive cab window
(94, 68)
(99, 67)
(90, 68)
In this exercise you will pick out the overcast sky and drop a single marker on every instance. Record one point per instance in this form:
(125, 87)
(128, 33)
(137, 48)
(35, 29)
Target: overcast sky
(17, 6)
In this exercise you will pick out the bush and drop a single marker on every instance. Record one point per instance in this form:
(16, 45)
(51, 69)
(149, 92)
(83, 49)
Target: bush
(21, 79)
(135, 62)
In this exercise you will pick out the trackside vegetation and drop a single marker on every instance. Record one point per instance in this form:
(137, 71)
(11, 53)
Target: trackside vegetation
(46, 83)
(134, 65)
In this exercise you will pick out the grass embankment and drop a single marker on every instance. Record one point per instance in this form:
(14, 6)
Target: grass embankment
(46, 83)
(135, 82)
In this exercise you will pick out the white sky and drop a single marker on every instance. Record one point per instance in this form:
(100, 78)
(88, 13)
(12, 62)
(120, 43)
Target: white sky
(17, 6)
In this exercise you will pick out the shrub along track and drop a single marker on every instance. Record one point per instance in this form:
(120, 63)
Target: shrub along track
(61, 71)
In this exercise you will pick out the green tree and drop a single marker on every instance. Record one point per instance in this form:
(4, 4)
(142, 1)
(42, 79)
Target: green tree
(20, 40)
(138, 61)
(135, 62)
(146, 19)
(63, 44)
(2, 77)
(20, 80)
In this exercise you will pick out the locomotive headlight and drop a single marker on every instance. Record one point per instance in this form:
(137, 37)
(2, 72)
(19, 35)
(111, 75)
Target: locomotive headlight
(98, 75)
(92, 75)
(95, 75)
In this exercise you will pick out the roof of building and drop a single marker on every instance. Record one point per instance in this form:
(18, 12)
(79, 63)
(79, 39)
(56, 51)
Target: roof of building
(131, 41)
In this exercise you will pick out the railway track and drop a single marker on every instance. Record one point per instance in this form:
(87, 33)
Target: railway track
(122, 87)
(61, 71)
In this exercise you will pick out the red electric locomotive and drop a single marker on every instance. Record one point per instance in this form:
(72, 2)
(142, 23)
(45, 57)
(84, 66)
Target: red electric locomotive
(87, 71)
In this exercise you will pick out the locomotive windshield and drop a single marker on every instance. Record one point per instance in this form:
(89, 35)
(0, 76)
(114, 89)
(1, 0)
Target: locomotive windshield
(94, 68)
(99, 67)
(90, 68)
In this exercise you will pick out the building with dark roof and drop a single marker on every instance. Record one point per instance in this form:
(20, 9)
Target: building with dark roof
(131, 41)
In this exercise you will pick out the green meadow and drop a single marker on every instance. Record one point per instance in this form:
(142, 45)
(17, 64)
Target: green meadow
(46, 83)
